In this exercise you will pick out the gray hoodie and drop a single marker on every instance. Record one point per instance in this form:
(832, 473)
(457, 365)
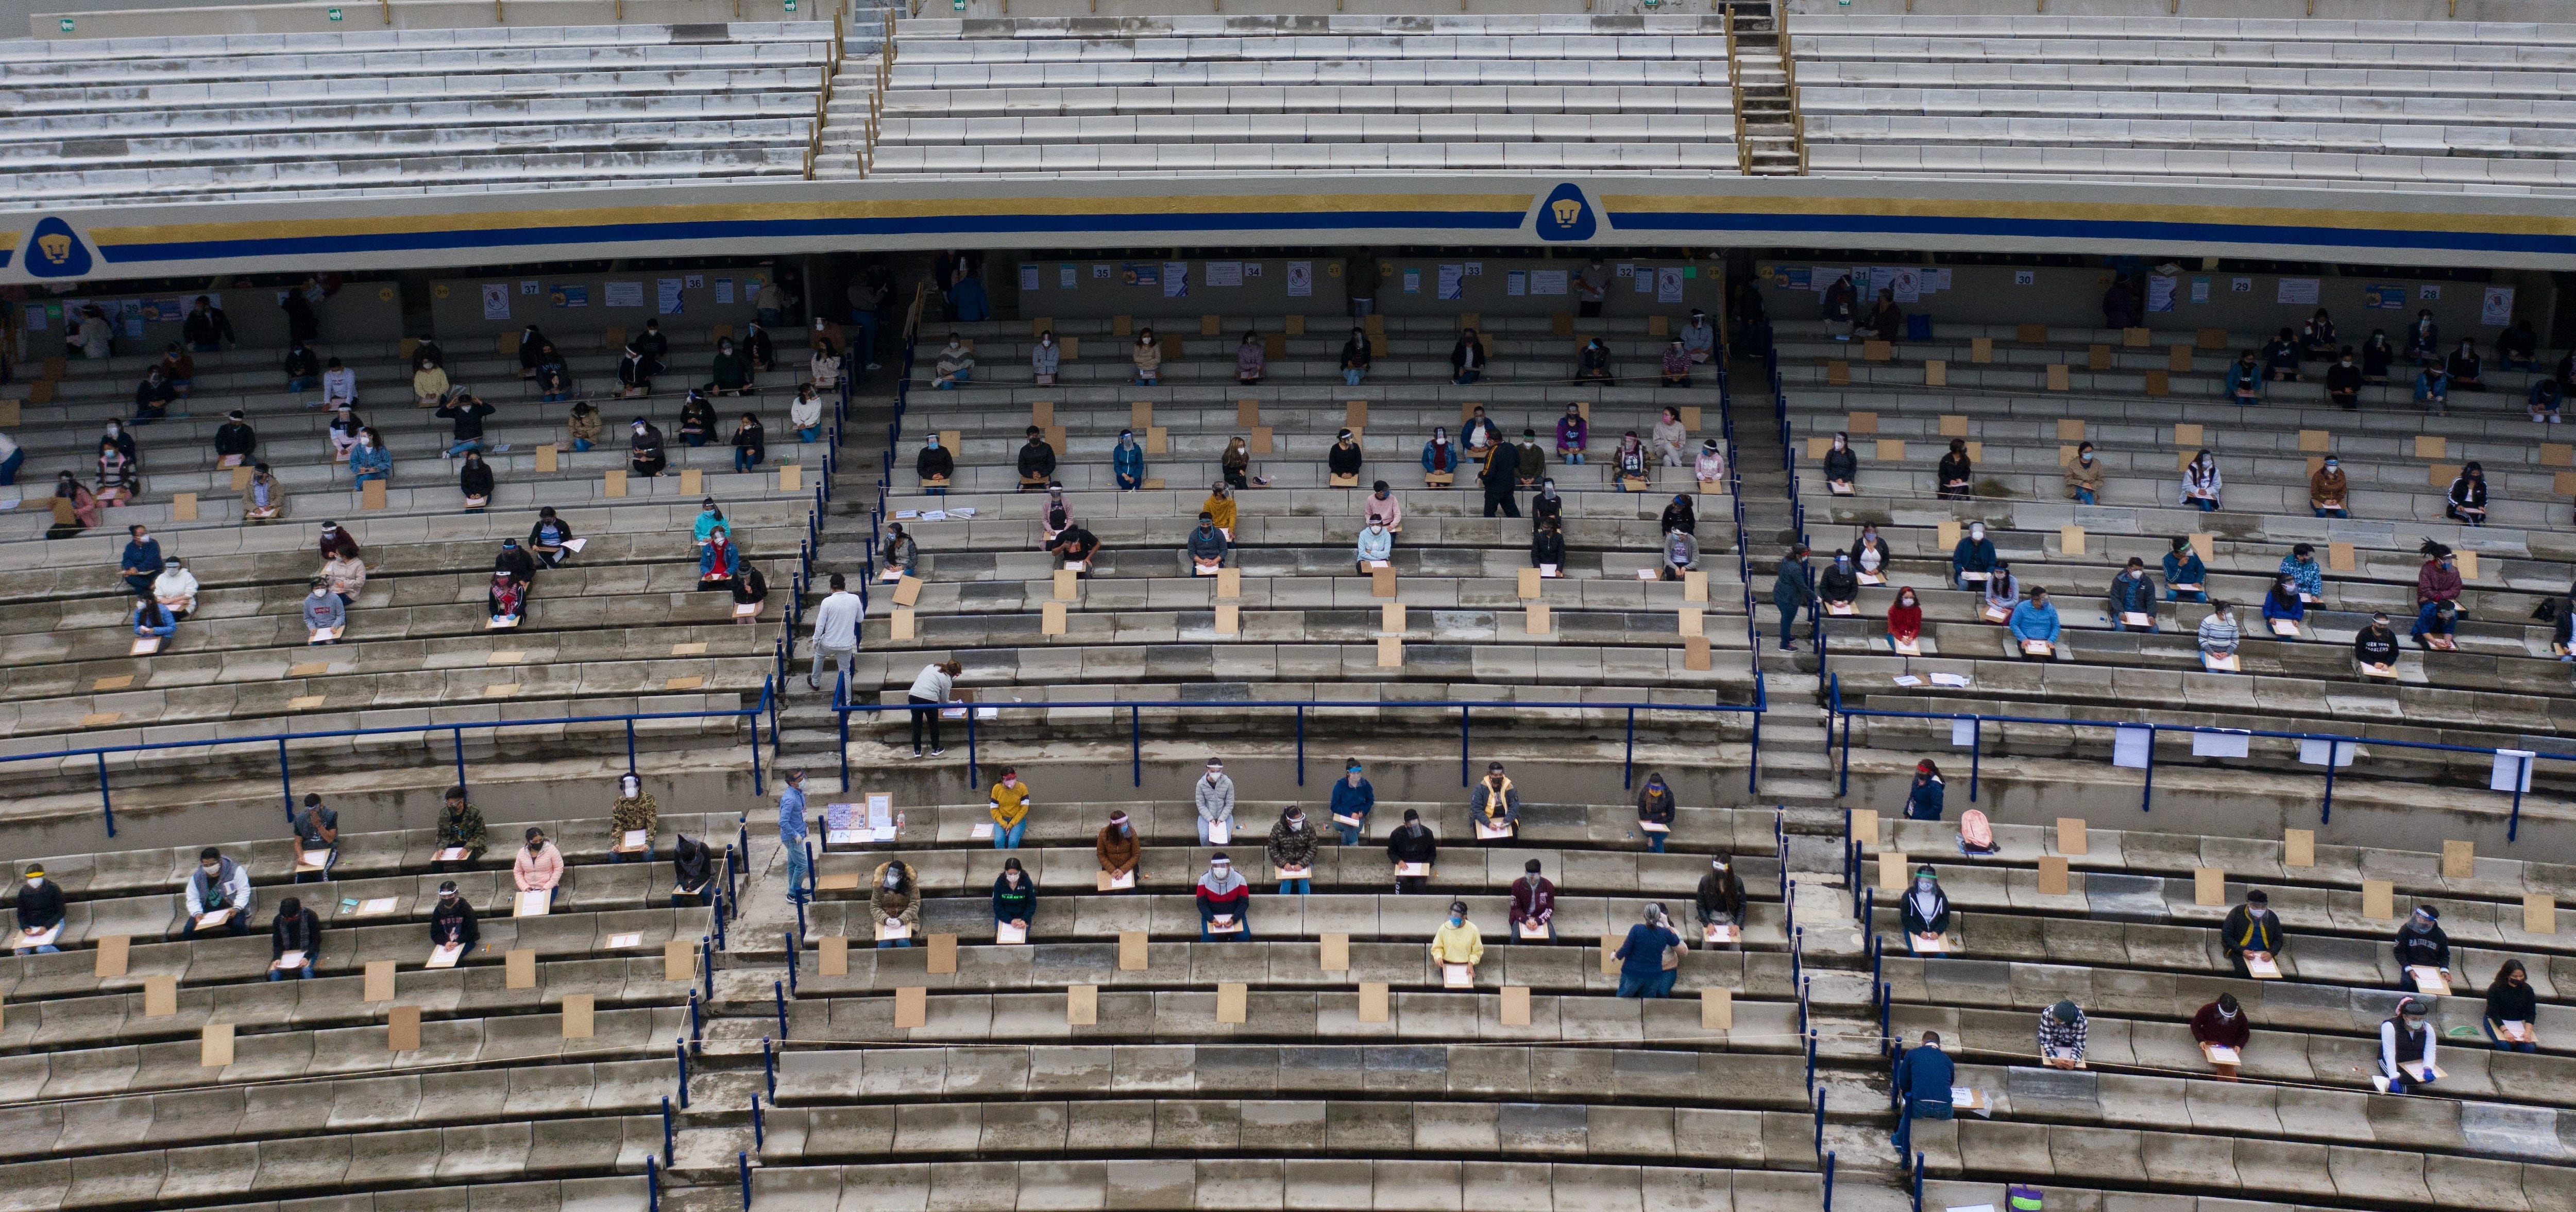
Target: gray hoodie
(1215, 798)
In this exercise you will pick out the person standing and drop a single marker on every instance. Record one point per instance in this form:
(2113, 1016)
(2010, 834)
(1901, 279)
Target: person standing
(836, 632)
(1923, 797)
(791, 835)
(930, 692)
(1793, 590)
(1501, 477)
(1924, 1076)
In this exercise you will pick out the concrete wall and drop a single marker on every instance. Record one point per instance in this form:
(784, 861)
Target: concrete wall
(1993, 294)
(170, 18)
(1703, 285)
(359, 311)
(457, 304)
(1108, 287)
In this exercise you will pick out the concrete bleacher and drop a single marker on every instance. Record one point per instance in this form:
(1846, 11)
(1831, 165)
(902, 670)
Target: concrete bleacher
(1291, 94)
(313, 115)
(2423, 105)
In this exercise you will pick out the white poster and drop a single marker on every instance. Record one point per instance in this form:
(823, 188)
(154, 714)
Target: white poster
(2130, 746)
(1668, 285)
(1176, 279)
(1645, 279)
(2298, 292)
(2512, 770)
(666, 296)
(1064, 277)
(496, 300)
(626, 294)
(2312, 752)
(724, 290)
(1935, 279)
(1301, 279)
(2496, 309)
(1453, 281)
(2230, 744)
(1903, 286)
(1516, 283)
(1547, 282)
(2200, 290)
(2160, 292)
(1224, 273)
(1963, 734)
(1413, 281)
(1028, 276)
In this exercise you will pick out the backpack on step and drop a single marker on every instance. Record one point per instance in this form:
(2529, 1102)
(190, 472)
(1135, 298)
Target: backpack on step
(1976, 834)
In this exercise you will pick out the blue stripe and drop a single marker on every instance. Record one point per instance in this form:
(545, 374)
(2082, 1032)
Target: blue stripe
(741, 229)
(2098, 229)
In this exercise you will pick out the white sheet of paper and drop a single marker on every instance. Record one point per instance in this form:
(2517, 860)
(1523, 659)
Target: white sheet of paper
(216, 918)
(1490, 832)
(1125, 881)
(1413, 869)
(2038, 647)
(1546, 571)
(2264, 968)
(1913, 647)
(2230, 744)
(625, 940)
(1973, 578)
(316, 858)
(375, 905)
(635, 839)
(1648, 574)
(1956, 681)
(2133, 618)
(575, 545)
(1457, 976)
(888, 931)
(1296, 873)
(2130, 746)
(534, 902)
(1963, 1096)
(2512, 766)
(2430, 980)
(1720, 932)
(1963, 734)
(43, 938)
(1530, 930)
(289, 960)
(2221, 1054)
(1352, 821)
(445, 956)
(1907, 679)
(1010, 935)
(450, 854)
(982, 832)
(1219, 833)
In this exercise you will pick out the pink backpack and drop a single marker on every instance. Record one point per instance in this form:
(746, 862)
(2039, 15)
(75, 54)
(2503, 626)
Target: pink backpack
(1975, 835)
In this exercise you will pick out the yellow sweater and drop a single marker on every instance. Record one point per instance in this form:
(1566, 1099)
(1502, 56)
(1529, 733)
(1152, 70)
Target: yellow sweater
(1458, 944)
(1010, 804)
(1221, 509)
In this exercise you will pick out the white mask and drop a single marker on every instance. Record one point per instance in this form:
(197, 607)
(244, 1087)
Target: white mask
(35, 881)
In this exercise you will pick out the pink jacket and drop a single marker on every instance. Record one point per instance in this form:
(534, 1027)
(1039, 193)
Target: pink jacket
(537, 874)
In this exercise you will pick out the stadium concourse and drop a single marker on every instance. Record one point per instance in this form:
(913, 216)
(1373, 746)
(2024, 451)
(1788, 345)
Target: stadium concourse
(1667, 606)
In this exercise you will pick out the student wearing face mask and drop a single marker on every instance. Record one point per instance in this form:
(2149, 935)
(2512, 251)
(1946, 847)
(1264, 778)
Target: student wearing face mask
(1127, 462)
(2133, 592)
(1213, 795)
(1650, 957)
(1457, 941)
(2467, 503)
(451, 921)
(317, 828)
(538, 867)
(2421, 943)
(1953, 474)
(634, 810)
(219, 885)
(1533, 908)
(692, 871)
(2223, 1024)
(1015, 897)
(2252, 929)
(2084, 477)
(1528, 460)
(1355, 358)
(1496, 803)
(805, 415)
(1838, 587)
(2343, 382)
(1842, 467)
(1973, 559)
(1547, 548)
(1118, 849)
(1439, 455)
(1376, 546)
(1045, 358)
(460, 827)
(1412, 842)
(2512, 1010)
(645, 455)
(1353, 799)
(2186, 578)
(1008, 805)
(894, 903)
(1680, 555)
(935, 465)
(1926, 909)
(1383, 507)
(1546, 505)
(40, 913)
(1923, 796)
(1905, 618)
(1655, 812)
(295, 929)
(1719, 899)
(730, 373)
(2406, 1042)
(1292, 845)
(1224, 901)
(1710, 466)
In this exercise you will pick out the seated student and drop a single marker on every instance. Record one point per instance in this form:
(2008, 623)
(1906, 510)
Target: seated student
(547, 537)
(2034, 621)
(151, 618)
(1642, 955)
(1382, 506)
(1677, 364)
(1546, 505)
(451, 921)
(645, 456)
(1842, 466)
(1628, 463)
(553, 378)
(1467, 359)
(2244, 380)
(515, 562)
(119, 476)
(2468, 497)
(635, 371)
(2186, 580)
(2062, 1029)
(1037, 461)
(2512, 1009)
(2317, 336)
(295, 929)
(2543, 400)
(2562, 638)
(2465, 367)
(758, 348)
(538, 867)
(956, 365)
(474, 480)
(2421, 943)
(1046, 358)
(218, 885)
(697, 420)
(750, 444)
(179, 369)
(1148, 355)
(505, 599)
(176, 587)
(1249, 359)
(1457, 941)
(317, 828)
(303, 368)
(719, 559)
(234, 440)
(1669, 438)
(460, 827)
(1207, 544)
(693, 872)
(2438, 627)
(2201, 483)
(1529, 460)
(2375, 646)
(263, 498)
(2284, 605)
(1680, 555)
(2253, 929)
(1291, 846)
(40, 911)
(1905, 619)
(2307, 577)
(1355, 357)
(1495, 803)
(1679, 515)
(634, 810)
(2133, 592)
(1353, 798)
(2223, 1024)
(1344, 457)
(1439, 455)
(1222, 892)
(1412, 842)
(1886, 321)
(1924, 795)
(324, 611)
(1376, 546)
(804, 415)
(2404, 1042)
(1710, 466)
(1533, 904)
(1925, 909)
(2002, 592)
(2378, 353)
(152, 396)
(1008, 805)
(1078, 546)
(1954, 477)
(1655, 807)
(2433, 390)
(901, 553)
(729, 373)
(1547, 547)
(1924, 1078)
(934, 465)
(2519, 347)
(1117, 848)
(1015, 897)
(2281, 358)
(2343, 382)
(428, 382)
(1127, 462)
(1057, 514)
(750, 588)
(1870, 558)
(344, 432)
(2218, 632)
(2084, 476)
(1838, 587)
(1573, 434)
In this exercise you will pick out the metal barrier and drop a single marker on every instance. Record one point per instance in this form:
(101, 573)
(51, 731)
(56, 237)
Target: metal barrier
(2337, 743)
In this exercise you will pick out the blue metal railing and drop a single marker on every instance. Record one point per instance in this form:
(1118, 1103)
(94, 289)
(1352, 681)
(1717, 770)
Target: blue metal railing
(2337, 743)
(456, 736)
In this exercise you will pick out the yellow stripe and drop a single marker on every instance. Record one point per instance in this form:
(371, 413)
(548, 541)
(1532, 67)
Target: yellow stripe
(805, 211)
(2234, 216)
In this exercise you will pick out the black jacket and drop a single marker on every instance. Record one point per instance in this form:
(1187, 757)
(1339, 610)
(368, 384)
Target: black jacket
(468, 416)
(1543, 506)
(1838, 583)
(2342, 378)
(1845, 466)
(2429, 946)
(207, 326)
(752, 438)
(537, 536)
(1037, 460)
(1954, 468)
(934, 462)
(301, 364)
(475, 480)
(517, 562)
(453, 923)
(1679, 516)
(40, 908)
(692, 862)
(1412, 844)
(1547, 547)
(235, 438)
(2243, 932)
(2375, 646)
(302, 932)
(1344, 458)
